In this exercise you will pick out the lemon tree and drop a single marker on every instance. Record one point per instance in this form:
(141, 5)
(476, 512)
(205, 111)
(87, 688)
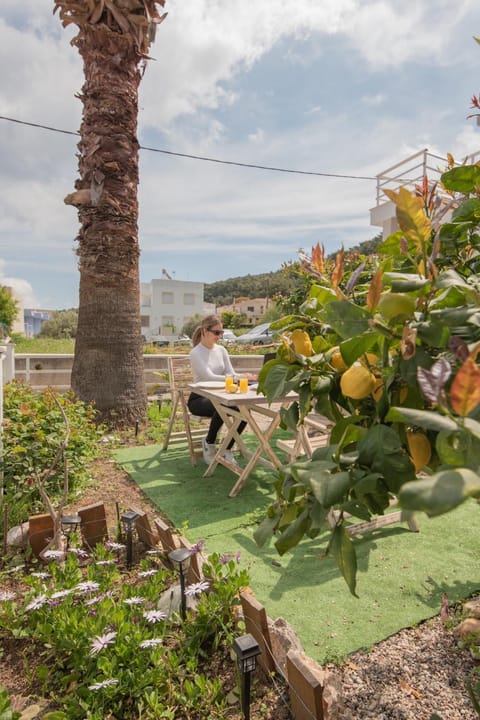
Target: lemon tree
(392, 361)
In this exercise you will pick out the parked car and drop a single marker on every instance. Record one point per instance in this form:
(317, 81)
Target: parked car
(182, 340)
(260, 335)
(228, 337)
(159, 341)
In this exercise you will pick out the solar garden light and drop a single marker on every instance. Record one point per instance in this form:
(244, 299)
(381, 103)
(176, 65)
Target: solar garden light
(69, 525)
(246, 649)
(180, 560)
(127, 521)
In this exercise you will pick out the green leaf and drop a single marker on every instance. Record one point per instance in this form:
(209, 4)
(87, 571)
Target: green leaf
(347, 319)
(451, 297)
(441, 492)
(323, 295)
(450, 277)
(404, 282)
(472, 426)
(265, 530)
(342, 549)
(381, 451)
(353, 348)
(275, 382)
(293, 534)
(346, 431)
(289, 416)
(462, 179)
(330, 488)
(423, 418)
(469, 211)
(433, 333)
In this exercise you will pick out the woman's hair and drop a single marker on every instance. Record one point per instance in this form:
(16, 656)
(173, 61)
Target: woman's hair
(207, 323)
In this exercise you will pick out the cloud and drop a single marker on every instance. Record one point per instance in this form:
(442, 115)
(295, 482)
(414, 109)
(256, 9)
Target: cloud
(339, 86)
(21, 288)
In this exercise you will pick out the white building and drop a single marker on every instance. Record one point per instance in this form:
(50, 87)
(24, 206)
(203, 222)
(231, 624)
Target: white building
(167, 304)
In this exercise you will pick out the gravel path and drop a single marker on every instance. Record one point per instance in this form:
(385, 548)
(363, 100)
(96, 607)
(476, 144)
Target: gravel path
(415, 673)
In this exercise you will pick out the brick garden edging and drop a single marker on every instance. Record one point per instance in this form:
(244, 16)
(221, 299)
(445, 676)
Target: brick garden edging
(314, 693)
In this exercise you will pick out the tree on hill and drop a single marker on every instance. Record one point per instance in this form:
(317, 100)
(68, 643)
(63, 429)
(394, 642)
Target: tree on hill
(113, 39)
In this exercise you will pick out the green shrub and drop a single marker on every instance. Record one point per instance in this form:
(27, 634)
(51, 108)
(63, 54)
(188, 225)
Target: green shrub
(106, 648)
(33, 431)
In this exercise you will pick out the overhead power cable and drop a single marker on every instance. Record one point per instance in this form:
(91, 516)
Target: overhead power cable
(203, 158)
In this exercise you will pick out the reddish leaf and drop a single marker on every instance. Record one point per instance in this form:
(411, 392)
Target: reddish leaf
(375, 290)
(465, 390)
(318, 258)
(337, 273)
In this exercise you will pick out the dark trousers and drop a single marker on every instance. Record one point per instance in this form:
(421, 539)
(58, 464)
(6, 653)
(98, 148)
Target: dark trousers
(203, 407)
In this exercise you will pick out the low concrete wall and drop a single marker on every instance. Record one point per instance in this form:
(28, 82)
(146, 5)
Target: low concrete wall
(44, 370)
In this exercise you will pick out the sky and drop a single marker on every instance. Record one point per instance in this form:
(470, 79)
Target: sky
(334, 87)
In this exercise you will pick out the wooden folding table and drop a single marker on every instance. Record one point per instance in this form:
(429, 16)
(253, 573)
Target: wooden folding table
(234, 408)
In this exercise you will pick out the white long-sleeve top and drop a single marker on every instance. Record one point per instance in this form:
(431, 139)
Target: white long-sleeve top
(211, 364)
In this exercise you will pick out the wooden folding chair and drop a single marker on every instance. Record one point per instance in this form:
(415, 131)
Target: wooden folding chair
(180, 375)
(313, 434)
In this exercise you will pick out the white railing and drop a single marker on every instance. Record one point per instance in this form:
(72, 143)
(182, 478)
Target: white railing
(412, 170)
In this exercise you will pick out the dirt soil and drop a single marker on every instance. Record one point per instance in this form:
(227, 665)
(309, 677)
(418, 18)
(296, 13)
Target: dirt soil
(413, 674)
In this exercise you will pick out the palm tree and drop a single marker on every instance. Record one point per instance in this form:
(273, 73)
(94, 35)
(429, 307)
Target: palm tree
(113, 40)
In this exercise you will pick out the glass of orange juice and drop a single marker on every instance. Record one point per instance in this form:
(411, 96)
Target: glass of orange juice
(228, 381)
(243, 384)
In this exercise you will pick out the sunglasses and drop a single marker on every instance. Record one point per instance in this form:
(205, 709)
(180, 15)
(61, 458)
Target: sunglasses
(216, 332)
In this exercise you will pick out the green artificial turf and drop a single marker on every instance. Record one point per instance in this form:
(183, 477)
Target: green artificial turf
(401, 575)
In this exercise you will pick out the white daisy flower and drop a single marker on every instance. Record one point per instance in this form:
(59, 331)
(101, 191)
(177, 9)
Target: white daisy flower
(154, 616)
(102, 641)
(196, 588)
(87, 586)
(147, 573)
(54, 554)
(61, 594)
(103, 684)
(114, 545)
(152, 642)
(36, 603)
(134, 600)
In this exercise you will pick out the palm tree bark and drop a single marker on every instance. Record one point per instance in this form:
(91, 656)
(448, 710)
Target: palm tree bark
(108, 363)
(113, 38)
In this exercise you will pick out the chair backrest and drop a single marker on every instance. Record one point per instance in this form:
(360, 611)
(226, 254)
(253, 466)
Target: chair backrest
(180, 372)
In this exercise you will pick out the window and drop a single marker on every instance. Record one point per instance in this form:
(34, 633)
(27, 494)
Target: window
(145, 320)
(167, 320)
(250, 308)
(188, 299)
(167, 298)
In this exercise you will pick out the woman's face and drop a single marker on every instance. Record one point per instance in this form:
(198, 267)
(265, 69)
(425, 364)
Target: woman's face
(212, 335)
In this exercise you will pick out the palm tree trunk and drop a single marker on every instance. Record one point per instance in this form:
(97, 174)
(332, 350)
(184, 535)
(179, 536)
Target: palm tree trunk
(108, 363)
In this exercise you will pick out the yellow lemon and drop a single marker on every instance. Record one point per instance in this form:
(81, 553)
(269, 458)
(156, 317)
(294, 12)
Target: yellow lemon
(233, 388)
(369, 359)
(377, 391)
(419, 448)
(357, 382)
(302, 343)
(336, 360)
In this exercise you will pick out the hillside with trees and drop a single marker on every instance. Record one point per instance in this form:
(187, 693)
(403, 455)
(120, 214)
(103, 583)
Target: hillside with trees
(283, 282)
